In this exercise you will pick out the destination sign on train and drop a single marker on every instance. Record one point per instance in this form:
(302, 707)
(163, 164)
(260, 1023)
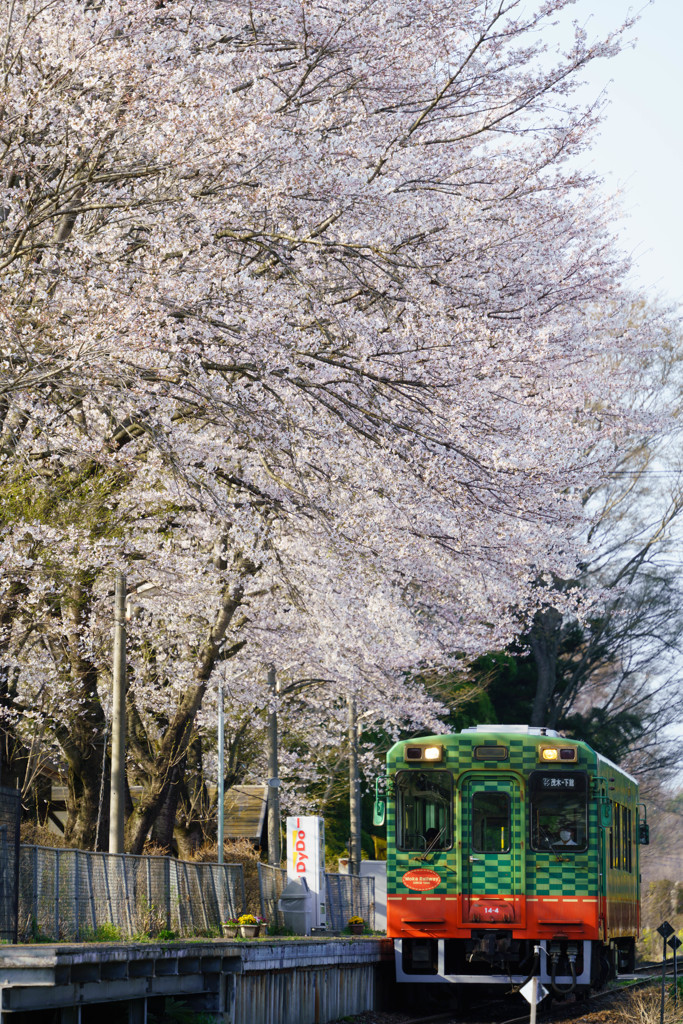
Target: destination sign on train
(558, 780)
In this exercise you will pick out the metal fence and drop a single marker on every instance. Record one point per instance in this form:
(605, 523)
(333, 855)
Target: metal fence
(346, 896)
(10, 816)
(75, 894)
(271, 882)
(72, 894)
(349, 896)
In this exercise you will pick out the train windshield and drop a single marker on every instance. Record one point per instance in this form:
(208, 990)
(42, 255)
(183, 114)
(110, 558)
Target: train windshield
(558, 810)
(424, 810)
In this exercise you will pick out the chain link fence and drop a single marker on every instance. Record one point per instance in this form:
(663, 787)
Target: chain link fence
(75, 894)
(10, 815)
(346, 896)
(349, 896)
(72, 894)
(271, 882)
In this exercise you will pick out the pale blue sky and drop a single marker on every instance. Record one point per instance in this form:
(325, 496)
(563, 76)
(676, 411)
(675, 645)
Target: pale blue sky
(640, 148)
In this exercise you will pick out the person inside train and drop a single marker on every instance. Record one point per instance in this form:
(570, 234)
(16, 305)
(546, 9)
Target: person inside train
(431, 836)
(566, 838)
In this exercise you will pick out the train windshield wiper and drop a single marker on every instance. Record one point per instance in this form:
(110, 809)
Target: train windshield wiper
(433, 843)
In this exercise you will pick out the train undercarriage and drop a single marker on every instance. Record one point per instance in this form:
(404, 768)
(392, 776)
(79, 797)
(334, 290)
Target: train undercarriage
(494, 957)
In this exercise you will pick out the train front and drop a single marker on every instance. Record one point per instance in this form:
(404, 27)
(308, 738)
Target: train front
(493, 858)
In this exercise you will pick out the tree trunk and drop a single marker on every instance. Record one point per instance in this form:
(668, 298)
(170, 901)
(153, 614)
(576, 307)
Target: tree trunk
(191, 825)
(163, 827)
(82, 735)
(84, 790)
(189, 833)
(176, 739)
(544, 639)
(11, 750)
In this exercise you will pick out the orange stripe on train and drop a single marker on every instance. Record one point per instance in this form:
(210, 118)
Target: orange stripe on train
(535, 917)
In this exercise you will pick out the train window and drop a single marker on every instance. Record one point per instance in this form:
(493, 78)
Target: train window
(628, 836)
(615, 837)
(616, 832)
(558, 810)
(621, 838)
(490, 822)
(424, 810)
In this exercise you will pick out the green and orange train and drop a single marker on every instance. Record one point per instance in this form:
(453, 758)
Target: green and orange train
(511, 852)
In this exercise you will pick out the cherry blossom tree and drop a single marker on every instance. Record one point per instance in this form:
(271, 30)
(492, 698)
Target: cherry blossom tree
(607, 670)
(305, 319)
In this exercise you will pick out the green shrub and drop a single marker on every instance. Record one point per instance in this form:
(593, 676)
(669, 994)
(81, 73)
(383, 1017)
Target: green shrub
(106, 932)
(212, 932)
(36, 934)
(275, 929)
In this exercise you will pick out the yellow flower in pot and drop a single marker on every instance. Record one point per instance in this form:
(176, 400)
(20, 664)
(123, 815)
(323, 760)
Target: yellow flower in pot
(249, 926)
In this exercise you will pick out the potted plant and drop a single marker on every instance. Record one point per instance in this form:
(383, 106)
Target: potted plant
(356, 925)
(249, 926)
(230, 928)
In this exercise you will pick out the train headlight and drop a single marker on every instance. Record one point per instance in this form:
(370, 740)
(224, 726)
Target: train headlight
(433, 753)
(558, 754)
(415, 753)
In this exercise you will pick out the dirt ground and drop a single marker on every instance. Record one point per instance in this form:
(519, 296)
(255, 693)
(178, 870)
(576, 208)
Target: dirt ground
(644, 1014)
(376, 1017)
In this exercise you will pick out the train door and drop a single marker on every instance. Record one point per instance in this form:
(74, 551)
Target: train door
(492, 849)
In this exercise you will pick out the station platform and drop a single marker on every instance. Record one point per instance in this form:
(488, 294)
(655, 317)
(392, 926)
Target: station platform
(273, 981)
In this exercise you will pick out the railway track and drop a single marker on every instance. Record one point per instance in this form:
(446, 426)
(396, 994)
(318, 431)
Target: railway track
(498, 1011)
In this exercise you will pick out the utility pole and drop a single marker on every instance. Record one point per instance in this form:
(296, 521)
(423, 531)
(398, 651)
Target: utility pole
(274, 853)
(221, 773)
(118, 711)
(354, 790)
